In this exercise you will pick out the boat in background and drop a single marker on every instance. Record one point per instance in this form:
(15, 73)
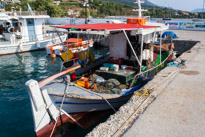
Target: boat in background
(73, 44)
(24, 31)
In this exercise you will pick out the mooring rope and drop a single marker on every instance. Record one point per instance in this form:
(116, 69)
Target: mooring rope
(149, 70)
(61, 105)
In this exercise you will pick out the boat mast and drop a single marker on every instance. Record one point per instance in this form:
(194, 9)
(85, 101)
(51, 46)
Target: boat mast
(139, 8)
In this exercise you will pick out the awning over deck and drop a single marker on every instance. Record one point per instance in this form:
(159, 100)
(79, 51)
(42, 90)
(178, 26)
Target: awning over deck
(108, 26)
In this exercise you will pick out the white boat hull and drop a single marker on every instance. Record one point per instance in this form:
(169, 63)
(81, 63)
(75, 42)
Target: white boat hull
(29, 46)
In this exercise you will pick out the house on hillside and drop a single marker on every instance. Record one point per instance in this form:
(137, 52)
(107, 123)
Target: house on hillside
(185, 13)
(196, 14)
(176, 13)
(73, 13)
(57, 2)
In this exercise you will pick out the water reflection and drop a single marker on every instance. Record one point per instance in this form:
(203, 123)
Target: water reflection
(36, 65)
(15, 115)
(15, 70)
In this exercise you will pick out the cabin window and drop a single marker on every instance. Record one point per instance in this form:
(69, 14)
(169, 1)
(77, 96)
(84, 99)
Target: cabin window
(30, 22)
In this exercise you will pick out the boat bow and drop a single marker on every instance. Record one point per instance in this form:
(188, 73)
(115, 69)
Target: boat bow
(45, 113)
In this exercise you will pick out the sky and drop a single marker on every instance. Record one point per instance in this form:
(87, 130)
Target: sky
(185, 5)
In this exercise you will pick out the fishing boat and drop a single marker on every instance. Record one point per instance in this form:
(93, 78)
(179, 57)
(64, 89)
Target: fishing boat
(107, 87)
(24, 31)
(94, 82)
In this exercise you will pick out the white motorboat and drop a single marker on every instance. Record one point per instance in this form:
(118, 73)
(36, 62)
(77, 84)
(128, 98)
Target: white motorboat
(24, 31)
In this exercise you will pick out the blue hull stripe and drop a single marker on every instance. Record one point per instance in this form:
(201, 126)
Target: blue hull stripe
(58, 102)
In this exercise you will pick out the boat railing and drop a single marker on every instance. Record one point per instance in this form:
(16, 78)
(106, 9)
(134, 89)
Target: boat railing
(48, 36)
(26, 13)
(124, 18)
(25, 39)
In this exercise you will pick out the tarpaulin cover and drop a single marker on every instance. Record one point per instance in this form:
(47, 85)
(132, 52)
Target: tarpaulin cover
(107, 26)
(168, 34)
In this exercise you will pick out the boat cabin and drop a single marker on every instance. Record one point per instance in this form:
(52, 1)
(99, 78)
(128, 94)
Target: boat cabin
(126, 51)
(15, 27)
(23, 31)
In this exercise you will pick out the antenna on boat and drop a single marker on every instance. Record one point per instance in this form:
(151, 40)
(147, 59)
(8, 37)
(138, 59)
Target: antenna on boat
(139, 8)
(29, 8)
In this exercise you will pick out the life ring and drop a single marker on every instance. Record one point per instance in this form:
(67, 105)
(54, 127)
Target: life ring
(10, 29)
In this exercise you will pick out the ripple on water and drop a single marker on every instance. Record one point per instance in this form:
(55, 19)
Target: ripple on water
(15, 114)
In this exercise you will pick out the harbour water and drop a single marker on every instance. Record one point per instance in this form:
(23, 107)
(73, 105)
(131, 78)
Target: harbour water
(15, 115)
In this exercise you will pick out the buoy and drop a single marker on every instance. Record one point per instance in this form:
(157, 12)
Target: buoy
(53, 55)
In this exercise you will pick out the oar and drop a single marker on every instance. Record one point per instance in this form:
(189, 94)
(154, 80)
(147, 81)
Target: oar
(46, 81)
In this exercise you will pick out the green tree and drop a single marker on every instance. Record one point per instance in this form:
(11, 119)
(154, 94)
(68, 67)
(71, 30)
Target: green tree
(48, 5)
(43, 5)
(85, 13)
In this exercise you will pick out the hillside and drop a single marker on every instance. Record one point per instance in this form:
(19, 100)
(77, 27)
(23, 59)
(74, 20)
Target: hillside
(197, 10)
(101, 8)
(147, 2)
